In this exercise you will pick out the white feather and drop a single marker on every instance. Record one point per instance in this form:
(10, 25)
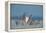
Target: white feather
(27, 18)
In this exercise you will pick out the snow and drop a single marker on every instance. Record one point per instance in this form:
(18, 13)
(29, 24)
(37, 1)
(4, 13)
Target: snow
(35, 24)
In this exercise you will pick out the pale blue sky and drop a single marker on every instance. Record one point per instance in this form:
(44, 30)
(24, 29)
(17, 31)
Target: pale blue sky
(18, 10)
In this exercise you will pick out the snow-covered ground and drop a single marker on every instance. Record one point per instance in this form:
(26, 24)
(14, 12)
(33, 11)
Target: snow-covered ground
(19, 25)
